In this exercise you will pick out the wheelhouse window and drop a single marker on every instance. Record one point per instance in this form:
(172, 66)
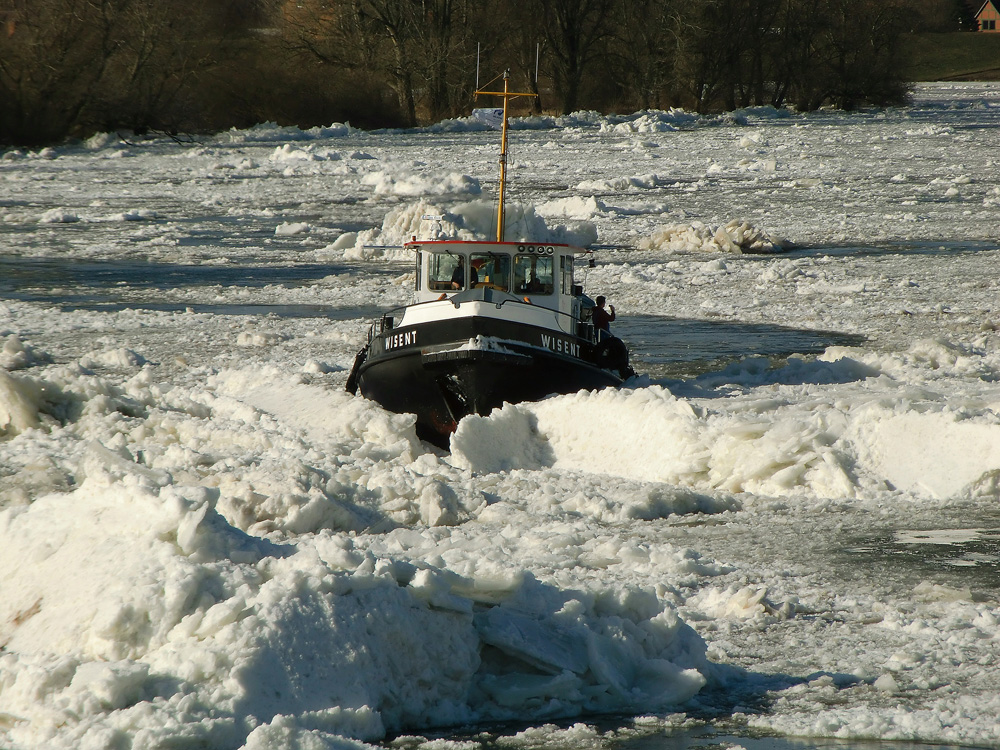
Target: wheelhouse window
(533, 274)
(566, 264)
(491, 269)
(445, 272)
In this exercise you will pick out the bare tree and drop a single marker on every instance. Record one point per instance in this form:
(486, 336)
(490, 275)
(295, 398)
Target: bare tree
(704, 31)
(422, 48)
(864, 39)
(851, 54)
(749, 79)
(353, 35)
(940, 15)
(160, 49)
(738, 52)
(574, 31)
(387, 32)
(447, 52)
(642, 49)
(793, 55)
(50, 65)
(519, 47)
(68, 67)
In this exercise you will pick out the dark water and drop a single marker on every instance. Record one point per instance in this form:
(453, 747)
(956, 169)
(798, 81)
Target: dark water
(624, 735)
(910, 248)
(119, 285)
(953, 556)
(680, 348)
(29, 278)
(711, 739)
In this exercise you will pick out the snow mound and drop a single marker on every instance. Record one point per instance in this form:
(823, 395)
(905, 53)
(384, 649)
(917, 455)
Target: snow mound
(148, 599)
(137, 214)
(474, 220)
(780, 450)
(99, 141)
(290, 228)
(735, 237)
(15, 355)
(507, 439)
(654, 121)
(270, 132)
(619, 184)
(289, 153)
(468, 124)
(58, 216)
(579, 209)
(411, 185)
(932, 453)
(19, 404)
(120, 358)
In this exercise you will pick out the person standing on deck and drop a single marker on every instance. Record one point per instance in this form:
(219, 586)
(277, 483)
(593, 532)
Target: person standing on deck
(603, 318)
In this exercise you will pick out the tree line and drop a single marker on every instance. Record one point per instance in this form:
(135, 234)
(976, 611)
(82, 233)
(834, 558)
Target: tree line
(69, 68)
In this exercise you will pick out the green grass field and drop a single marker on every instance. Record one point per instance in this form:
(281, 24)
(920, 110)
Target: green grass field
(949, 57)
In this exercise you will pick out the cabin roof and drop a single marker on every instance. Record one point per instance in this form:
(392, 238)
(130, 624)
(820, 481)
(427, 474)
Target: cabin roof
(507, 243)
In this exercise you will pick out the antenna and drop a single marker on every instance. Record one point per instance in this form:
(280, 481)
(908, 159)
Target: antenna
(479, 46)
(538, 54)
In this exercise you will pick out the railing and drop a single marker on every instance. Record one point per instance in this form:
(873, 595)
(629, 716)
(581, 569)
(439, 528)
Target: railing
(387, 320)
(575, 322)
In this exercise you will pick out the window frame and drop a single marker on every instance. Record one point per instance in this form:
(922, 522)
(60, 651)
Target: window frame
(491, 280)
(526, 262)
(436, 282)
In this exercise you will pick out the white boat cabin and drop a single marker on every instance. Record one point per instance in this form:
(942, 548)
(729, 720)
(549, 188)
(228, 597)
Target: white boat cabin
(537, 274)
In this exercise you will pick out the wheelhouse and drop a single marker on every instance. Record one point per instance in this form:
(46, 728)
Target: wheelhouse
(536, 273)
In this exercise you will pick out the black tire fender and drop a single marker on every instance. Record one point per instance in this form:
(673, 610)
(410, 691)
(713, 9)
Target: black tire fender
(351, 386)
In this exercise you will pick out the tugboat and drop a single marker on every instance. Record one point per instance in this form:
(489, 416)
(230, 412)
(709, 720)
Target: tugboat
(492, 322)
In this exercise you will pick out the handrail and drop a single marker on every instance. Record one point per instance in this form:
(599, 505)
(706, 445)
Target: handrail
(539, 307)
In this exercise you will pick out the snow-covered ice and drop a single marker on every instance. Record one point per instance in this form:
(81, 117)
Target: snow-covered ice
(206, 542)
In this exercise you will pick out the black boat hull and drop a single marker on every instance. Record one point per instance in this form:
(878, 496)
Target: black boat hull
(443, 371)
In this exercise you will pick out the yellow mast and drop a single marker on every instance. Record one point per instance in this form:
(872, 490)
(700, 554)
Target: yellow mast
(507, 95)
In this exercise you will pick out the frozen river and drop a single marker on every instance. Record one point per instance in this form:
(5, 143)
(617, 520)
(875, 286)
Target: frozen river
(784, 533)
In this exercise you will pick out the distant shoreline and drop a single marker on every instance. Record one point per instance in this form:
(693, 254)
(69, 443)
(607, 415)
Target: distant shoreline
(955, 56)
